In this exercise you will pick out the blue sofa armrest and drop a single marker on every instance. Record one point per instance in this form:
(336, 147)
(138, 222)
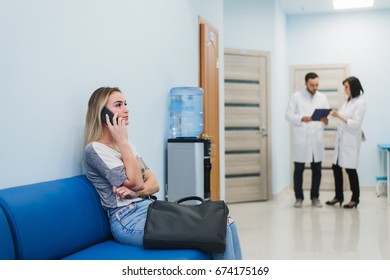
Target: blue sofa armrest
(6, 242)
(54, 219)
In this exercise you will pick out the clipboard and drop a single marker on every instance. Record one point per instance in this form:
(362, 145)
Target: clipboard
(320, 113)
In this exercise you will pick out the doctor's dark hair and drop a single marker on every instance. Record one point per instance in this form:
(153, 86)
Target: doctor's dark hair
(310, 75)
(355, 86)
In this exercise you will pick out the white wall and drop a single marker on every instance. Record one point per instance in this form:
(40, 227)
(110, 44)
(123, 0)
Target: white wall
(362, 40)
(54, 54)
(261, 25)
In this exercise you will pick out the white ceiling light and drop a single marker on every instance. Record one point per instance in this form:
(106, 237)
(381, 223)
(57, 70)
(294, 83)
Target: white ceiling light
(352, 4)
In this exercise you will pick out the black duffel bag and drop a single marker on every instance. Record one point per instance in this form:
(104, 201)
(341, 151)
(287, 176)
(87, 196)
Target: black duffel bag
(173, 225)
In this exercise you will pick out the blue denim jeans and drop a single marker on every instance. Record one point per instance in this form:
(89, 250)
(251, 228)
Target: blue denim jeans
(127, 227)
(127, 223)
(233, 247)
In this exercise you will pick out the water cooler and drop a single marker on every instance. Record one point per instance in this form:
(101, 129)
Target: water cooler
(189, 168)
(188, 155)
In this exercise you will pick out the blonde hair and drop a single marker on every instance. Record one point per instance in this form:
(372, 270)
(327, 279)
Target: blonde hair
(93, 123)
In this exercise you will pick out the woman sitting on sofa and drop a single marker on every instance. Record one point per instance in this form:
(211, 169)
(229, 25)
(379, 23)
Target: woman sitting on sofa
(120, 176)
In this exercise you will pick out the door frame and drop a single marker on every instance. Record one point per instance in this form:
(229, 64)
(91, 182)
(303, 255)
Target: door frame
(204, 80)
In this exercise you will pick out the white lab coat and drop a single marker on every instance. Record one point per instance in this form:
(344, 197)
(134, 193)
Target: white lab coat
(308, 137)
(349, 135)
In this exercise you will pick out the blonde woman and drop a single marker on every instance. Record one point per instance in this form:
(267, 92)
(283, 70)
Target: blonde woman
(120, 176)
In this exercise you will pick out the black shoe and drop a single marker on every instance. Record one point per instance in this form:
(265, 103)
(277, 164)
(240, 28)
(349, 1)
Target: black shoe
(351, 204)
(334, 201)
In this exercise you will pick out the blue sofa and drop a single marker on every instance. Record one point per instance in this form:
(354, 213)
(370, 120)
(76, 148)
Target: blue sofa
(63, 219)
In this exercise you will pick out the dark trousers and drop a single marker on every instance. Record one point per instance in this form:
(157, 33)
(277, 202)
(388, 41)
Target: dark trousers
(353, 181)
(299, 167)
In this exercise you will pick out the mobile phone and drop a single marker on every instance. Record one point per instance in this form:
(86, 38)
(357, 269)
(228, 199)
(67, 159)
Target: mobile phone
(110, 114)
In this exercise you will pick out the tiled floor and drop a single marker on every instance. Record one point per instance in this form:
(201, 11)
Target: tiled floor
(274, 230)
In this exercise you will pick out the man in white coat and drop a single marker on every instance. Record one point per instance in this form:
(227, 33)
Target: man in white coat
(308, 136)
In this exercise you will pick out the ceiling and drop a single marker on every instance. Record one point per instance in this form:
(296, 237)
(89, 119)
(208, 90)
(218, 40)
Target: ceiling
(324, 6)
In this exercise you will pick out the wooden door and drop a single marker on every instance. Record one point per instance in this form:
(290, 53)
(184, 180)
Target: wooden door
(209, 81)
(330, 83)
(247, 126)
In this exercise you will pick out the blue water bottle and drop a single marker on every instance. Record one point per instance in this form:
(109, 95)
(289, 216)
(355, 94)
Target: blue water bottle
(186, 112)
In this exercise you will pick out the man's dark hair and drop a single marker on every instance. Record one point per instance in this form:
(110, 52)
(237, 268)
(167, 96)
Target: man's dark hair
(355, 86)
(310, 75)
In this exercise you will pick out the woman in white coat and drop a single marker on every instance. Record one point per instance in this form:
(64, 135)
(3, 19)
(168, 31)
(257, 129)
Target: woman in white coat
(348, 140)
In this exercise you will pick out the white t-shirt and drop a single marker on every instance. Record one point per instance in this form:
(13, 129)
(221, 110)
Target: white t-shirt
(104, 168)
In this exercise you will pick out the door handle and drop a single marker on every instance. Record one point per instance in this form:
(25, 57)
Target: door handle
(263, 131)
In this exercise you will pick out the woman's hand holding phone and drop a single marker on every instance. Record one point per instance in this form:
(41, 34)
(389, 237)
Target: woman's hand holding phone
(117, 129)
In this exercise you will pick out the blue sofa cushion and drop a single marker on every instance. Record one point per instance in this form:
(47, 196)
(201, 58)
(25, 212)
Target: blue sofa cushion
(47, 222)
(111, 250)
(6, 242)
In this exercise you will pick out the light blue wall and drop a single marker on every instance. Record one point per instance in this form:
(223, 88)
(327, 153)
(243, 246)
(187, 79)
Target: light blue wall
(261, 25)
(362, 40)
(280, 95)
(54, 54)
(249, 24)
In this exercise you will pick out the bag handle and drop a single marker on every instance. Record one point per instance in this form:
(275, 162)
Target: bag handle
(189, 198)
